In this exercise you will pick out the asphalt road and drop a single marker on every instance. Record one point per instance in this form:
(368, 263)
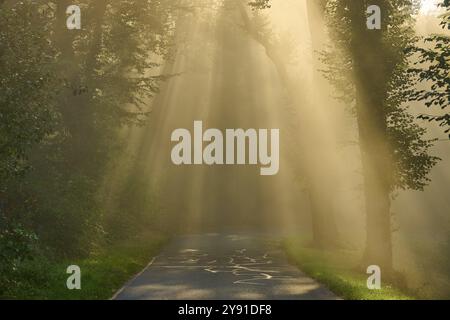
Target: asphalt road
(222, 267)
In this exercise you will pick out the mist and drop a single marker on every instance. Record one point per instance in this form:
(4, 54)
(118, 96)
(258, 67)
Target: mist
(227, 79)
(310, 134)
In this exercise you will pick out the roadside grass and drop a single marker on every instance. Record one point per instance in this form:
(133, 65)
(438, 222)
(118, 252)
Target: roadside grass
(102, 274)
(337, 271)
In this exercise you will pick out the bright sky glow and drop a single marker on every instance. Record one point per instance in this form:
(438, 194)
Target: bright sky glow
(428, 6)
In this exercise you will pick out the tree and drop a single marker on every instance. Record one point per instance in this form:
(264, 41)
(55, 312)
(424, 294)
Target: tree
(318, 178)
(109, 68)
(432, 69)
(28, 116)
(65, 95)
(27, 88)
(369, 68)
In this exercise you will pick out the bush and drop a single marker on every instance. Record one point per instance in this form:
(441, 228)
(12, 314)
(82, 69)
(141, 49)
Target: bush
(16, 246)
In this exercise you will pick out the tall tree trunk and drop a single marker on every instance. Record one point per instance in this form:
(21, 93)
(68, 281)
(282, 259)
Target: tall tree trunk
(371, 75)
(323, 218)
(325, 232)
(316, 13)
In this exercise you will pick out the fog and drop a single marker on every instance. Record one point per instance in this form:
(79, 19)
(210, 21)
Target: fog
(222, 75)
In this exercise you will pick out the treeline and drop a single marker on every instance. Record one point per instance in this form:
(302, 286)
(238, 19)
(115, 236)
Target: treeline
(376, 74)
(64, 97)
(66, 94)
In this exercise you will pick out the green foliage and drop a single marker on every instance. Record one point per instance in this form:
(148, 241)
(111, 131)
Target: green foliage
(432, 69)
(64, 97)
(16, 246)
(67, 218)
(27, 88)
(260, 4)
(137, 210)
(103, 273)
(410, 149)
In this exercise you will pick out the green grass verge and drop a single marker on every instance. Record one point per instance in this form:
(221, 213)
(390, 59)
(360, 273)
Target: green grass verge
(102, 274)
(336, 270)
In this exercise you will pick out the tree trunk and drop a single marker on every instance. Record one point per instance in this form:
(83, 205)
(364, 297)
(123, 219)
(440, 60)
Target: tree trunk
(321, 194)
(371, 75)
(325, 232)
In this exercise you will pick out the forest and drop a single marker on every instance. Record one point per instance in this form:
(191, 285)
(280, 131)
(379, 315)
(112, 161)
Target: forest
(88, 116)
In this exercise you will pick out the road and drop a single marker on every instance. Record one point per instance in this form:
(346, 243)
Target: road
(222, 267)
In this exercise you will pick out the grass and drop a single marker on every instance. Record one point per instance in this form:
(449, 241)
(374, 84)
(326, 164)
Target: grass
(102, 274)
(337, 271)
